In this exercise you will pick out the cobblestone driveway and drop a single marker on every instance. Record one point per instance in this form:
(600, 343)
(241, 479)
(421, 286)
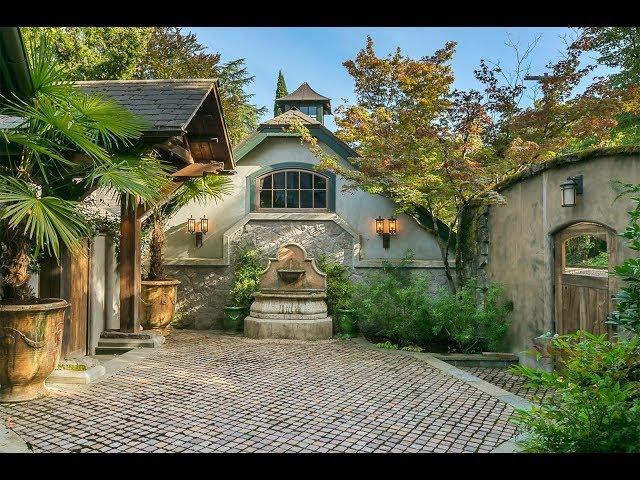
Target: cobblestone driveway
(204, 392)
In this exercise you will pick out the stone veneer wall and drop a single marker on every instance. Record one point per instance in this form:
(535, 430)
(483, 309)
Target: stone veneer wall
(205, 290)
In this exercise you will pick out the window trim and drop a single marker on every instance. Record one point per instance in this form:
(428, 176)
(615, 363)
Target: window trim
(258, 208)
(252, 197)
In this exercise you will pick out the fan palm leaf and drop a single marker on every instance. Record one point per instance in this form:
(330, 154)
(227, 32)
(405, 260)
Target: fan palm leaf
(47, 221)
(198, 190)
(136, 177)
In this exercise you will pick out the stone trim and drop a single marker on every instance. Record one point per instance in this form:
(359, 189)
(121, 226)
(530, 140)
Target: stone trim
(224, 261)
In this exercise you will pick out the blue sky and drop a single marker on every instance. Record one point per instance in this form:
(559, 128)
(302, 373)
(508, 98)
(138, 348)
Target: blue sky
(315, 54)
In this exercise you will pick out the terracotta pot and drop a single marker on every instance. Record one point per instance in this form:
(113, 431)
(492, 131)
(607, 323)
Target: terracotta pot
(30, 341)
(158, 303)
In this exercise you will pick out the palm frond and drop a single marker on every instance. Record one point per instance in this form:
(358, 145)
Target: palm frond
(62, 126)
(48, 76)
(115, 125)
(136, 177)
(199, 190)
(47, 221)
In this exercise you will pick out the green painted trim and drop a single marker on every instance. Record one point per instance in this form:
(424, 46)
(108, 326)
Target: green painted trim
(256, 139)
(321, 132)
(250, 196)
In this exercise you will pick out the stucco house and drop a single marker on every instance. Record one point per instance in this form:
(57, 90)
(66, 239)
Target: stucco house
(278, 197)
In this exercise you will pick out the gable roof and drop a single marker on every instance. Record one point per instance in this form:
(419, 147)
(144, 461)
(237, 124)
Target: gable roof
(305, 93)
(168, 104)
(277, 127)
(175, 107)
(287, 117)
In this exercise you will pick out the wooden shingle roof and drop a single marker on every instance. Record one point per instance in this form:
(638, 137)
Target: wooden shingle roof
(168, 104)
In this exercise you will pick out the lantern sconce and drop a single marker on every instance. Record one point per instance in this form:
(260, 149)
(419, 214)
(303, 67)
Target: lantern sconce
(570, 189)
(386, 236)
(198, 228)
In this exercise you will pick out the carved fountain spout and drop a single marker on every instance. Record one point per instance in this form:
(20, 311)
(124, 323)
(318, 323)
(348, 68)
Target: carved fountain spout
(291, 301)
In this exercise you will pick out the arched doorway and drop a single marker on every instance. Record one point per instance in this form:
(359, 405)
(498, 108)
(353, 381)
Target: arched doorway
(584, 253)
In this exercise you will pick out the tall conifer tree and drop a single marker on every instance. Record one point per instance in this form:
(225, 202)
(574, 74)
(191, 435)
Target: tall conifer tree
(281, 91)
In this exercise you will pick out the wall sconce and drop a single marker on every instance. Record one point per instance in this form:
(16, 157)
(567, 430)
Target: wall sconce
(199, 228)
(379, 225)
(386, 236)
(569, 189)
(393, 225)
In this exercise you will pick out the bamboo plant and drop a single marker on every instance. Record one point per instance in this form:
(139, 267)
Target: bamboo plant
(62, 143)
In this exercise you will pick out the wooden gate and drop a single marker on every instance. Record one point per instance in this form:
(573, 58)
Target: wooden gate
(70, 280)
(583, 295)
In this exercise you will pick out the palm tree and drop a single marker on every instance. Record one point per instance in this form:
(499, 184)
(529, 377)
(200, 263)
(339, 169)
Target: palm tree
(60, 144)
(198, 190)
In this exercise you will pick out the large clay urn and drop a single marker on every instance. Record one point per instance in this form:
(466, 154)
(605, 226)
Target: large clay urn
(158, 303)
(30, 341)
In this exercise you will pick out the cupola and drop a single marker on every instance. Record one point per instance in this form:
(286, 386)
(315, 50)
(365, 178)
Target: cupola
(308, 101)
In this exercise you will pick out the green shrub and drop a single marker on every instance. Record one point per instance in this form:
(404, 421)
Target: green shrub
(395, 305)
(596, 404)
(627, 313)
(390, 306)
(247, 271)
(463, 325)
(339, 287)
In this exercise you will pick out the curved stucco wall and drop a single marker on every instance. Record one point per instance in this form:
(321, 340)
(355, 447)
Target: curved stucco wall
(520, 253)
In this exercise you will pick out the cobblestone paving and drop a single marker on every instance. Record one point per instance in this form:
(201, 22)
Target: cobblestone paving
(511, 383)
(203, 392)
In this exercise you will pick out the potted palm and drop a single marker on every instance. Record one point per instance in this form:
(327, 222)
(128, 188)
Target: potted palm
(247, 272)
(59, 144)
(158, 293)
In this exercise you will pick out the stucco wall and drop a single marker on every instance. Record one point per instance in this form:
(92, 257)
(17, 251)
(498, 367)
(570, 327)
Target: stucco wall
(520, 253)
(357, 209)
(104, 294)
(347, 235)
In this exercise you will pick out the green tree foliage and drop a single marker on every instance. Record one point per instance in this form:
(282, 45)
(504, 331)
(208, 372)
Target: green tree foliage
(436, 151)
(66, 143)
(617, 47)
(596, 402)
(627, 313)
(281, 91)
(97, 53)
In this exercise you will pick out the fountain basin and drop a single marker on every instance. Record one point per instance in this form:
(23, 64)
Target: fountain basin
(291, 302)
(290, 276)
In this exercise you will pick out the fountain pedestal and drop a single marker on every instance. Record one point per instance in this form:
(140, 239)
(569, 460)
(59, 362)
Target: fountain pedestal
(291, 301)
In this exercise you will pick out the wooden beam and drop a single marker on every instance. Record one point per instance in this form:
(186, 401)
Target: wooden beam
(197, 170)
(178, 151)
(130, 227)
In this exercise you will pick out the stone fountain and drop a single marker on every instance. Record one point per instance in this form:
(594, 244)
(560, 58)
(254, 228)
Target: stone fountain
(291, 301)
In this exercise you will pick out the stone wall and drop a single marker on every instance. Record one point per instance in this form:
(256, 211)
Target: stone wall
(205, 290)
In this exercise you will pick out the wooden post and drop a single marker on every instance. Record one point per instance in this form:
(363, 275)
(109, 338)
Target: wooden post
(130, 227)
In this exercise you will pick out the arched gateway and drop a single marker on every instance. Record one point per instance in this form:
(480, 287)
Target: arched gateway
(584, 253)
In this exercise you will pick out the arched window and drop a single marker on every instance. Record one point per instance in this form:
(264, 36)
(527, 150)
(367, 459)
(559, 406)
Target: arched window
(292, 189)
